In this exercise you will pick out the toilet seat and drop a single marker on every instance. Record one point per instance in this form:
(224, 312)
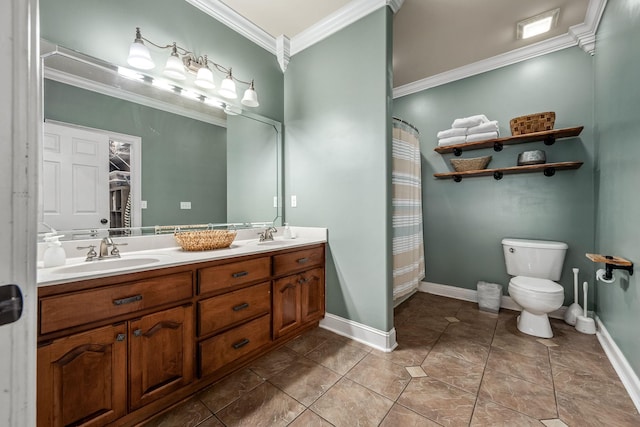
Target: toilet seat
(533, 284)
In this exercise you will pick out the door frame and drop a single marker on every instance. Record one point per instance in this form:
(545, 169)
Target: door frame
(20, 136)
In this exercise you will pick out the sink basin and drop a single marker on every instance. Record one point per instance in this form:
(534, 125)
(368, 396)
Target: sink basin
(106, 265)
(271, 243)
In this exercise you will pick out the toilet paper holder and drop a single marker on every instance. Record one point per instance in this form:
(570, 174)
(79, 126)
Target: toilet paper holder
(612, 263)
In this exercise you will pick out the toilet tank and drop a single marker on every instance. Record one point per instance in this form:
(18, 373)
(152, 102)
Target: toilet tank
(534, 258)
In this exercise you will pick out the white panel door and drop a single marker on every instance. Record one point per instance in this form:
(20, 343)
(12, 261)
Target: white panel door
(20, 112)
(75, 181)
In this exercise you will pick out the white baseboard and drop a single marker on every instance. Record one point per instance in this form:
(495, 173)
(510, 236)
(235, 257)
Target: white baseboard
(470, 295)
(626, 373)
(380, 340)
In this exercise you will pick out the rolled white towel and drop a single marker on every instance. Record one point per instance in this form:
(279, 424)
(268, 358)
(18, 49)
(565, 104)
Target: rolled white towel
(452, 132)
(469, 122)
(452, 140)
(481, 136)
(491, 126)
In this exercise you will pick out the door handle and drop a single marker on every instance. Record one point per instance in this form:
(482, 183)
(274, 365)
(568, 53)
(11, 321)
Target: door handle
(10, 304)
(104, 221)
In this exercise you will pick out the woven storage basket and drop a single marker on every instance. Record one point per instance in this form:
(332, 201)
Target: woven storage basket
(476, 163)
(205, 240)
(532, 123)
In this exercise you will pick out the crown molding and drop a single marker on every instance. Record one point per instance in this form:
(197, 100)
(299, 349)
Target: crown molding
(283, 49)
(518, 55)
(585, 33)
(115, 92)
(582, 35)
(338, 20)
(232, 19)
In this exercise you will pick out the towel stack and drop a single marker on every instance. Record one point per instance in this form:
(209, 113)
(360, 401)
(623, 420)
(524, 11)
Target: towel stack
(469, 129)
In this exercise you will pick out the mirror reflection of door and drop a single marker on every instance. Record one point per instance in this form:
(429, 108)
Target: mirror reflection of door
(86, 178)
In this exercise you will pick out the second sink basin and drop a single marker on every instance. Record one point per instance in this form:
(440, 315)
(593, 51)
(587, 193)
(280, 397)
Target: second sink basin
(106, 265)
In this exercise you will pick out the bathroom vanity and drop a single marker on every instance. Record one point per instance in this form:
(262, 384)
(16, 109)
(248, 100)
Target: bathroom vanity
(122, 346)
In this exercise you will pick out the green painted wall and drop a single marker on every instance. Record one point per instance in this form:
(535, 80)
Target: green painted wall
(182, 159)
(617, 101)
(337, 140)
(105, 29)
(252, 175)
(465, 222)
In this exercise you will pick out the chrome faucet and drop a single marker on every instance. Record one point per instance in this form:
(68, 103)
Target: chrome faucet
(104, 253)
(267, 234)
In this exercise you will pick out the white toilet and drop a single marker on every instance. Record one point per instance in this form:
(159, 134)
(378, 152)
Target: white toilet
(535, 265)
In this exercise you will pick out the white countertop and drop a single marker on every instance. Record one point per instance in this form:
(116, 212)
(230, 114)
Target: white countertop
(155, 252)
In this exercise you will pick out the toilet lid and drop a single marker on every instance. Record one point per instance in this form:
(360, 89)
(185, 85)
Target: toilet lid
(535, 284)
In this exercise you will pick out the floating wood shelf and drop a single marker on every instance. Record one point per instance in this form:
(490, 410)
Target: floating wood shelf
(548, 136)
(549, 169)
(607, 259)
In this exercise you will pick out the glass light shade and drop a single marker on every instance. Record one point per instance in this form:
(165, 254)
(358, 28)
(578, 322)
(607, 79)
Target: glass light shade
(139, 56)
(250, 98)
(174, 68)
(228, 88)
(204, 78)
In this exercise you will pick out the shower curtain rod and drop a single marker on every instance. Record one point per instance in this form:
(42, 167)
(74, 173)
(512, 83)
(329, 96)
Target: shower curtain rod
(406, 123)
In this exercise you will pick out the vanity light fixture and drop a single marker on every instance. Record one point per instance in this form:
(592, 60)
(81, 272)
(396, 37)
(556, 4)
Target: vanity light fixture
(181, 60)
(538, 24)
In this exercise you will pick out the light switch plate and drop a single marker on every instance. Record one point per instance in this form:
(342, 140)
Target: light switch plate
(294, 202)
(185, 205)
(143, 204)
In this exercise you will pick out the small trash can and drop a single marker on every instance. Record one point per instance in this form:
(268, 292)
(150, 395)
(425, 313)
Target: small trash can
(489, 296)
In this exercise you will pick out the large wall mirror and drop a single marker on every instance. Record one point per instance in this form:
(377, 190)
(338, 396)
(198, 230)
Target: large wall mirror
(170, 160)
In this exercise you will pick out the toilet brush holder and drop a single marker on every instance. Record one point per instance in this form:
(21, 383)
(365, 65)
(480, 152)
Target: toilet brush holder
(574, 310)
(585, 324)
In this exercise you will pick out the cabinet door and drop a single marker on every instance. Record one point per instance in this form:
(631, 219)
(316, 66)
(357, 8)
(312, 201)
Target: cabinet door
(312, 294)
(160, 354)
(286, 305)
(82, 378)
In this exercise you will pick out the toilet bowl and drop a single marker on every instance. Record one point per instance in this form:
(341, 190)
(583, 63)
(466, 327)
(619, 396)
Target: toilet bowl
(534, 265)
(537, 297)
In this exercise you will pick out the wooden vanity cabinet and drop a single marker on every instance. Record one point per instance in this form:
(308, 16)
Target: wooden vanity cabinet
(160, 354)
(298, 298)
(119, 349)
(82, 378)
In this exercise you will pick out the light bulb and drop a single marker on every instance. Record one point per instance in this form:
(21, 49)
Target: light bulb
(228, 87)
(250, 98)
(139, 56)
(174, 67)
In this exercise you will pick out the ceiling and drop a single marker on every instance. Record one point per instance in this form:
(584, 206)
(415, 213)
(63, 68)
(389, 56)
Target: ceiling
(430, 36)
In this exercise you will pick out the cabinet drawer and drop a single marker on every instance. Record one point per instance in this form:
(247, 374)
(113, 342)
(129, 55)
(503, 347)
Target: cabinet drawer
(65, 311)
(219, 312)
(231, 345)
(296, 261)
(233, 274)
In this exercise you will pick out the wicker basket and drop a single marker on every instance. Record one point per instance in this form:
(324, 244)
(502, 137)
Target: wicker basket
(476, 163)
(205, 240)
(532, 123)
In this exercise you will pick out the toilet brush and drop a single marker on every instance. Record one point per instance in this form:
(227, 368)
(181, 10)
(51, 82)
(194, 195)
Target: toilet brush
(574, 310)
(585, 324)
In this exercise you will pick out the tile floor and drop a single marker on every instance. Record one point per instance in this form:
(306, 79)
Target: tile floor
(454, 366)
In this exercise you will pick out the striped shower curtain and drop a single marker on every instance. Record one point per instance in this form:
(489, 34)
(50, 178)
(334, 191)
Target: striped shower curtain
(408, 250)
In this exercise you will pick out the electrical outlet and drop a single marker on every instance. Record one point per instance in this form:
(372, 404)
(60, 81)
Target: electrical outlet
(143, 204)
(294, 202)
(185, 205)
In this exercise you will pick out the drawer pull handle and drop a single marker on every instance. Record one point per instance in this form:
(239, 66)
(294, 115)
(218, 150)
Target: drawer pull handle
(241, 343)
(127, 300)
(239, 274)
(303, 280)
(302, 260)
(241, 306)
(137, 332)
(120, 337)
